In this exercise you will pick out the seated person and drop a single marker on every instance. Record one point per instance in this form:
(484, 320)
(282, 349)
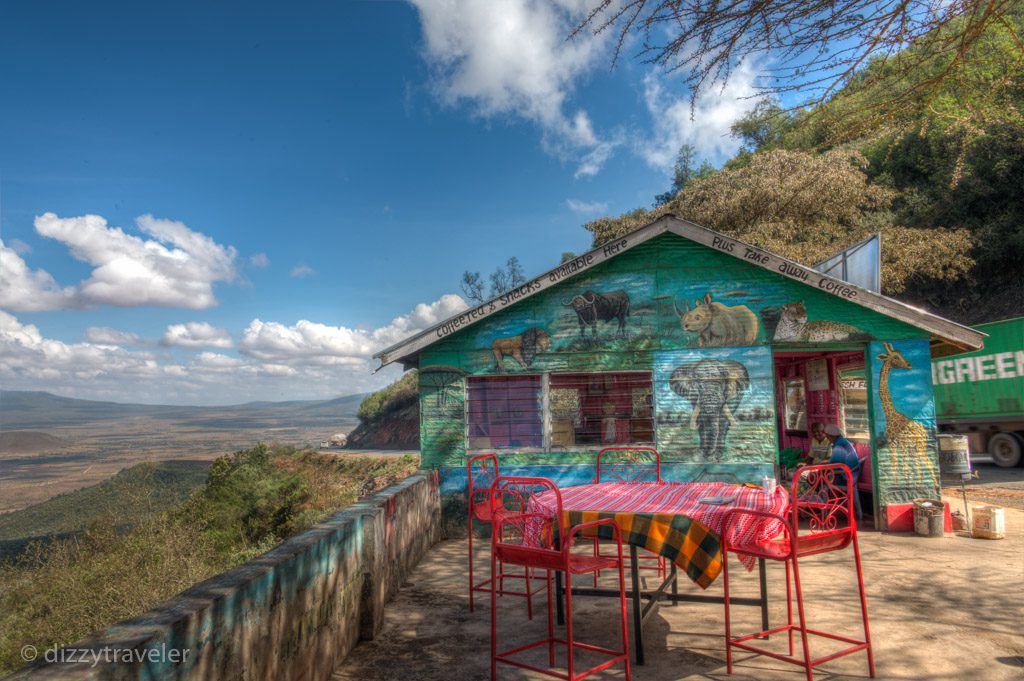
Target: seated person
(821, 447)
(842, 449)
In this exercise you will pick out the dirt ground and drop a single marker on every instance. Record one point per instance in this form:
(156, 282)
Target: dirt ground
(97, 451)
(940, 608)
(991, 485)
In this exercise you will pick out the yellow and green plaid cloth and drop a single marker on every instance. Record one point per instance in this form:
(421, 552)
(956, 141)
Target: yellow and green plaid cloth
(696, 550)
(672, 520)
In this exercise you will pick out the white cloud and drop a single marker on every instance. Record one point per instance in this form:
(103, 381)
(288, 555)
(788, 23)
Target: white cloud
(594, 160)
(313, 343)
(27, 357)
(259, 260)
(177, 267)
(25, 290)
(20, 247)
(196, 335)
(587, 207)
(277, 370)
(30, 361)
(512, 57)
(302, 271)
(103, 335)
(707, 130)
(423, 316)
(305, 340)
(306, 360)
(216, 362)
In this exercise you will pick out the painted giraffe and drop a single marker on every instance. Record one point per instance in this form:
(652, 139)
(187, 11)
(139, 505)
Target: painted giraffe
(907, 438)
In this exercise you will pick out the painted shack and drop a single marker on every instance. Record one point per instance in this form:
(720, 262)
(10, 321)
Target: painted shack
(717, 353)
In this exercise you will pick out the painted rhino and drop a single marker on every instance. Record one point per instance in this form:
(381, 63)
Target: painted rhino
(717, 325)
(593, 307)
(715, 388)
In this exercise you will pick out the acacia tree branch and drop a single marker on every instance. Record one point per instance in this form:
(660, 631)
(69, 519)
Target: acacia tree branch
(822, 44)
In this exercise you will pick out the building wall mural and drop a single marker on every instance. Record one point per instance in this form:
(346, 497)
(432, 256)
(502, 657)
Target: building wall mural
(904, 421)
(715, 405)
(442, 412)
(702, 322)
(666, 294)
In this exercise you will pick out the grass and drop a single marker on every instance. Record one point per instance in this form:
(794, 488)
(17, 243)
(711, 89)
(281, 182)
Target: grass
(63, 589)
(134, 492)
(390, 399)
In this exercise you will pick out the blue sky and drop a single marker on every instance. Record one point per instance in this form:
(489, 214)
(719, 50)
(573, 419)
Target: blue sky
(278, 191)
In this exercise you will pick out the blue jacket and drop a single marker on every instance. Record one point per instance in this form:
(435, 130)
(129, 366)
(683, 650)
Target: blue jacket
(843, 452)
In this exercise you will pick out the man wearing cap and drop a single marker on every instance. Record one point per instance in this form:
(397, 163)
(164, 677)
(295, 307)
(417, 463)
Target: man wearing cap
(843, 452)
(842, 449)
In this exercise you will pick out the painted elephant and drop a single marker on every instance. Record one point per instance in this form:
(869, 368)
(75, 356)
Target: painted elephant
(715, 388)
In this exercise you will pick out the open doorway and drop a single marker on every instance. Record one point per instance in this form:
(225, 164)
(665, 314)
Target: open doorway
(818, 387)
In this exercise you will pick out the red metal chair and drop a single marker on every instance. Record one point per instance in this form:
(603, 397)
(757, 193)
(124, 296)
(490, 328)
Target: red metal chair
(481, 473)
(530, 532)
(631, 464)
(822, 501)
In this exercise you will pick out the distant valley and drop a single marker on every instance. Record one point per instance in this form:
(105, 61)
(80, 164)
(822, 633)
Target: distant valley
(51, 444)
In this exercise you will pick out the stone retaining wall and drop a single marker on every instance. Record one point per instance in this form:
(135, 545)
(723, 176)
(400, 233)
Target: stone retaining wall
(290, 615)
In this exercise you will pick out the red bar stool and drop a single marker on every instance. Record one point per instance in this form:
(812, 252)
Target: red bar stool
(482, 472)
(821, 498)
(631, 464)
(527, 531)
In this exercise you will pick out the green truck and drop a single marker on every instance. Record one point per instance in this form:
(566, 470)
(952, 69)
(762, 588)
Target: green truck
(981, 394)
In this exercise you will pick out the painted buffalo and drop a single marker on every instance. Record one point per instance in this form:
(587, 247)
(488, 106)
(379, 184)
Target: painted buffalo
(592, 308)
(718, 325)
(715, 388)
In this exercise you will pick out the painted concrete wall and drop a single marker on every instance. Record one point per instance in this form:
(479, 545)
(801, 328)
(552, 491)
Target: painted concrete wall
(672, 286)
(291, 614)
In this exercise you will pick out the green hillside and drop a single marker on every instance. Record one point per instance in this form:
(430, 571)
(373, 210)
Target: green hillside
(390, 417)
(939, 173)
(133, 493)
(59, 591)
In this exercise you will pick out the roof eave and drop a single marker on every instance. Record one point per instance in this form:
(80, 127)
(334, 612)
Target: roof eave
(411, 346)
(948, 337)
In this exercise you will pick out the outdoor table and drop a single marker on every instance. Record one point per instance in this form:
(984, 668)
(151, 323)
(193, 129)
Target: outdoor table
(669, 519)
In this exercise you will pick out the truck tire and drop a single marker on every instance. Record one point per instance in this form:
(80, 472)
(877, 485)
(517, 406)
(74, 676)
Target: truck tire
(1005, 449)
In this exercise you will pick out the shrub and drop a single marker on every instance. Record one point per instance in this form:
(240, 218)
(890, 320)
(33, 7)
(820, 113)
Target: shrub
(399, 394)
(61, 590)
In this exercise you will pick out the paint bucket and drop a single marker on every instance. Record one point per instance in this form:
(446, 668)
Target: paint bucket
(989, 522)
(929, 516)
(954, 455)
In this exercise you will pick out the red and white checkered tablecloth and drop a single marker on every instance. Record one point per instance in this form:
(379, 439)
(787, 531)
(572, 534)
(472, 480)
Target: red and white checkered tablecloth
(683, 499)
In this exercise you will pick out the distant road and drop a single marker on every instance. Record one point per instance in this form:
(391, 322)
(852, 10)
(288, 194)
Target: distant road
(373, 452)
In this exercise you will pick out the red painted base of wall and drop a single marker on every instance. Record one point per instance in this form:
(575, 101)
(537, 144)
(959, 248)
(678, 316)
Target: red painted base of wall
(900, 518)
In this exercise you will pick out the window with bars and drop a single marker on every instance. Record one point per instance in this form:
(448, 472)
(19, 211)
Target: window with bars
(853, 404)
(601, 409)
(504, 412)
(583, 409)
